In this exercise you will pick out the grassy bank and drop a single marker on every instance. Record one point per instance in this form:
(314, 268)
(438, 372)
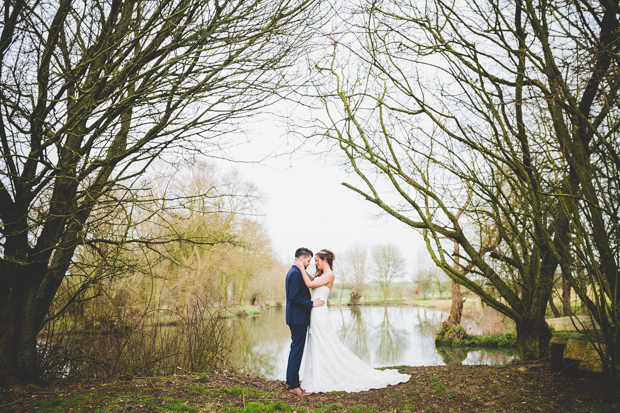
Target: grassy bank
(370, 303)
(242, 311)
(458, 338)
(507, 340)
(592, 335)
(454, 388)
(442, 304)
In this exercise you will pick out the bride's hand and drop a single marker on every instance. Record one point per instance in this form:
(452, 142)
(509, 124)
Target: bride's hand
(299, 264)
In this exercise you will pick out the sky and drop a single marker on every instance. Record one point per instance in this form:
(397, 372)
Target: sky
(305, 204)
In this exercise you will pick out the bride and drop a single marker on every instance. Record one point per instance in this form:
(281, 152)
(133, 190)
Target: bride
(328, 364)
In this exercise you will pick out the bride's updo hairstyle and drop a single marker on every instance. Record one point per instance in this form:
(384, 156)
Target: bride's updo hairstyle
(325, 255)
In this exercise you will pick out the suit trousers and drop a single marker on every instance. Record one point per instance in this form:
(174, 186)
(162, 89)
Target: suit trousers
(298, 336)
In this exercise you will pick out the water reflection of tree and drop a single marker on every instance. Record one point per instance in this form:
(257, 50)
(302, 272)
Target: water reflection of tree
(354, 334)
(428, 321)
(452, 355)
(398, 336)
(476, 355)
(490, 356)
(264, 339)
(391, 341)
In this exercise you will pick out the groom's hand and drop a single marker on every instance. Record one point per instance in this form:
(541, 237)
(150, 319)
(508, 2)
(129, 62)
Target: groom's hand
(318, 303)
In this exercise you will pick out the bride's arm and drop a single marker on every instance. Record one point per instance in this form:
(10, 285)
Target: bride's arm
(312, 283)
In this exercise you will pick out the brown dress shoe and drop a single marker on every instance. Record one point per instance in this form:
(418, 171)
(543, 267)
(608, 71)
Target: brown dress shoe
(298, 391)
(286, 386)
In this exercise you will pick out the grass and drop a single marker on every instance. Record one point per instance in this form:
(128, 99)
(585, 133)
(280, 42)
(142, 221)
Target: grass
(508, 340)
(399, 293)
(58, 402)
(202, 390)
(256, 407)
(409, 405)
(354, 409)
(242, 310)
(323, 408)
(330, 406)
(235, 390)
(177, 406)
(437, 389)
(595, 336)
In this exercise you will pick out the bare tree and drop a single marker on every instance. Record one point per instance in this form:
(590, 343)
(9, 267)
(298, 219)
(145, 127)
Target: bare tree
(91, 94)
(515, 102)
(355, 271)
(422, 277)
(388, 264)
(440, 278)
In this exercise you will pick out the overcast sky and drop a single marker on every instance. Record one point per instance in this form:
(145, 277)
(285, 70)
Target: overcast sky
(305, 203)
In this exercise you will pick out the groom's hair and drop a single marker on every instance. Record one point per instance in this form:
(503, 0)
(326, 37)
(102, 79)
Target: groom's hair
(303, 252)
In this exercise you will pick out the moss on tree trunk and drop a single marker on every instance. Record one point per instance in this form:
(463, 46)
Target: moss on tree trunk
(533, 338)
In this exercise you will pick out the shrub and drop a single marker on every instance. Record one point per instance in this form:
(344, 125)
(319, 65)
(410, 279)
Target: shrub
(139, 344)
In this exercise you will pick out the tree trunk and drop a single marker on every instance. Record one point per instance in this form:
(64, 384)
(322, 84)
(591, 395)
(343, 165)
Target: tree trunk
(18, 332)
(456, 309)
(582, 281)
(565, 296)
(384, 287)
(354, 298)
(533, 338)
(554, 309)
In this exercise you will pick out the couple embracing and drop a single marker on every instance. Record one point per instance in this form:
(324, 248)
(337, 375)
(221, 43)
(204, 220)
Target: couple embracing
(328, 364)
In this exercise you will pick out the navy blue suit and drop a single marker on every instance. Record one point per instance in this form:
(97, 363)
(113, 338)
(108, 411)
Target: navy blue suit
(298, 307)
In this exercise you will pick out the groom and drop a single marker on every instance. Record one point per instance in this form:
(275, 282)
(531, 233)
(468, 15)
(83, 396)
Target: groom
(298, 307)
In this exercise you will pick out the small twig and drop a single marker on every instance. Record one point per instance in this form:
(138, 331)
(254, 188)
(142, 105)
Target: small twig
(569, 365)
(535, 362)
(187, 371)
(10, 404)
(232, 379)
(485, 380)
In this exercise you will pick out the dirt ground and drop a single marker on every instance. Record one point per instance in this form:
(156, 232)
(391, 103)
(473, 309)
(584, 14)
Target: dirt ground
(457, 388)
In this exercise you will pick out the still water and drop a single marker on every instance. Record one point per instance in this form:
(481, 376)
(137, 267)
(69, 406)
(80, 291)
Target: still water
(381, 336)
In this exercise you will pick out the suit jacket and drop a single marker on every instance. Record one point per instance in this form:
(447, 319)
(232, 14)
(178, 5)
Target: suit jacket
(298, 303)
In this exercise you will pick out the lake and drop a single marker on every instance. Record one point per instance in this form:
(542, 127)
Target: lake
(381, 336)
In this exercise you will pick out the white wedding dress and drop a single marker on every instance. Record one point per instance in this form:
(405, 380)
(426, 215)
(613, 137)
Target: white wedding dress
(330, 366)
